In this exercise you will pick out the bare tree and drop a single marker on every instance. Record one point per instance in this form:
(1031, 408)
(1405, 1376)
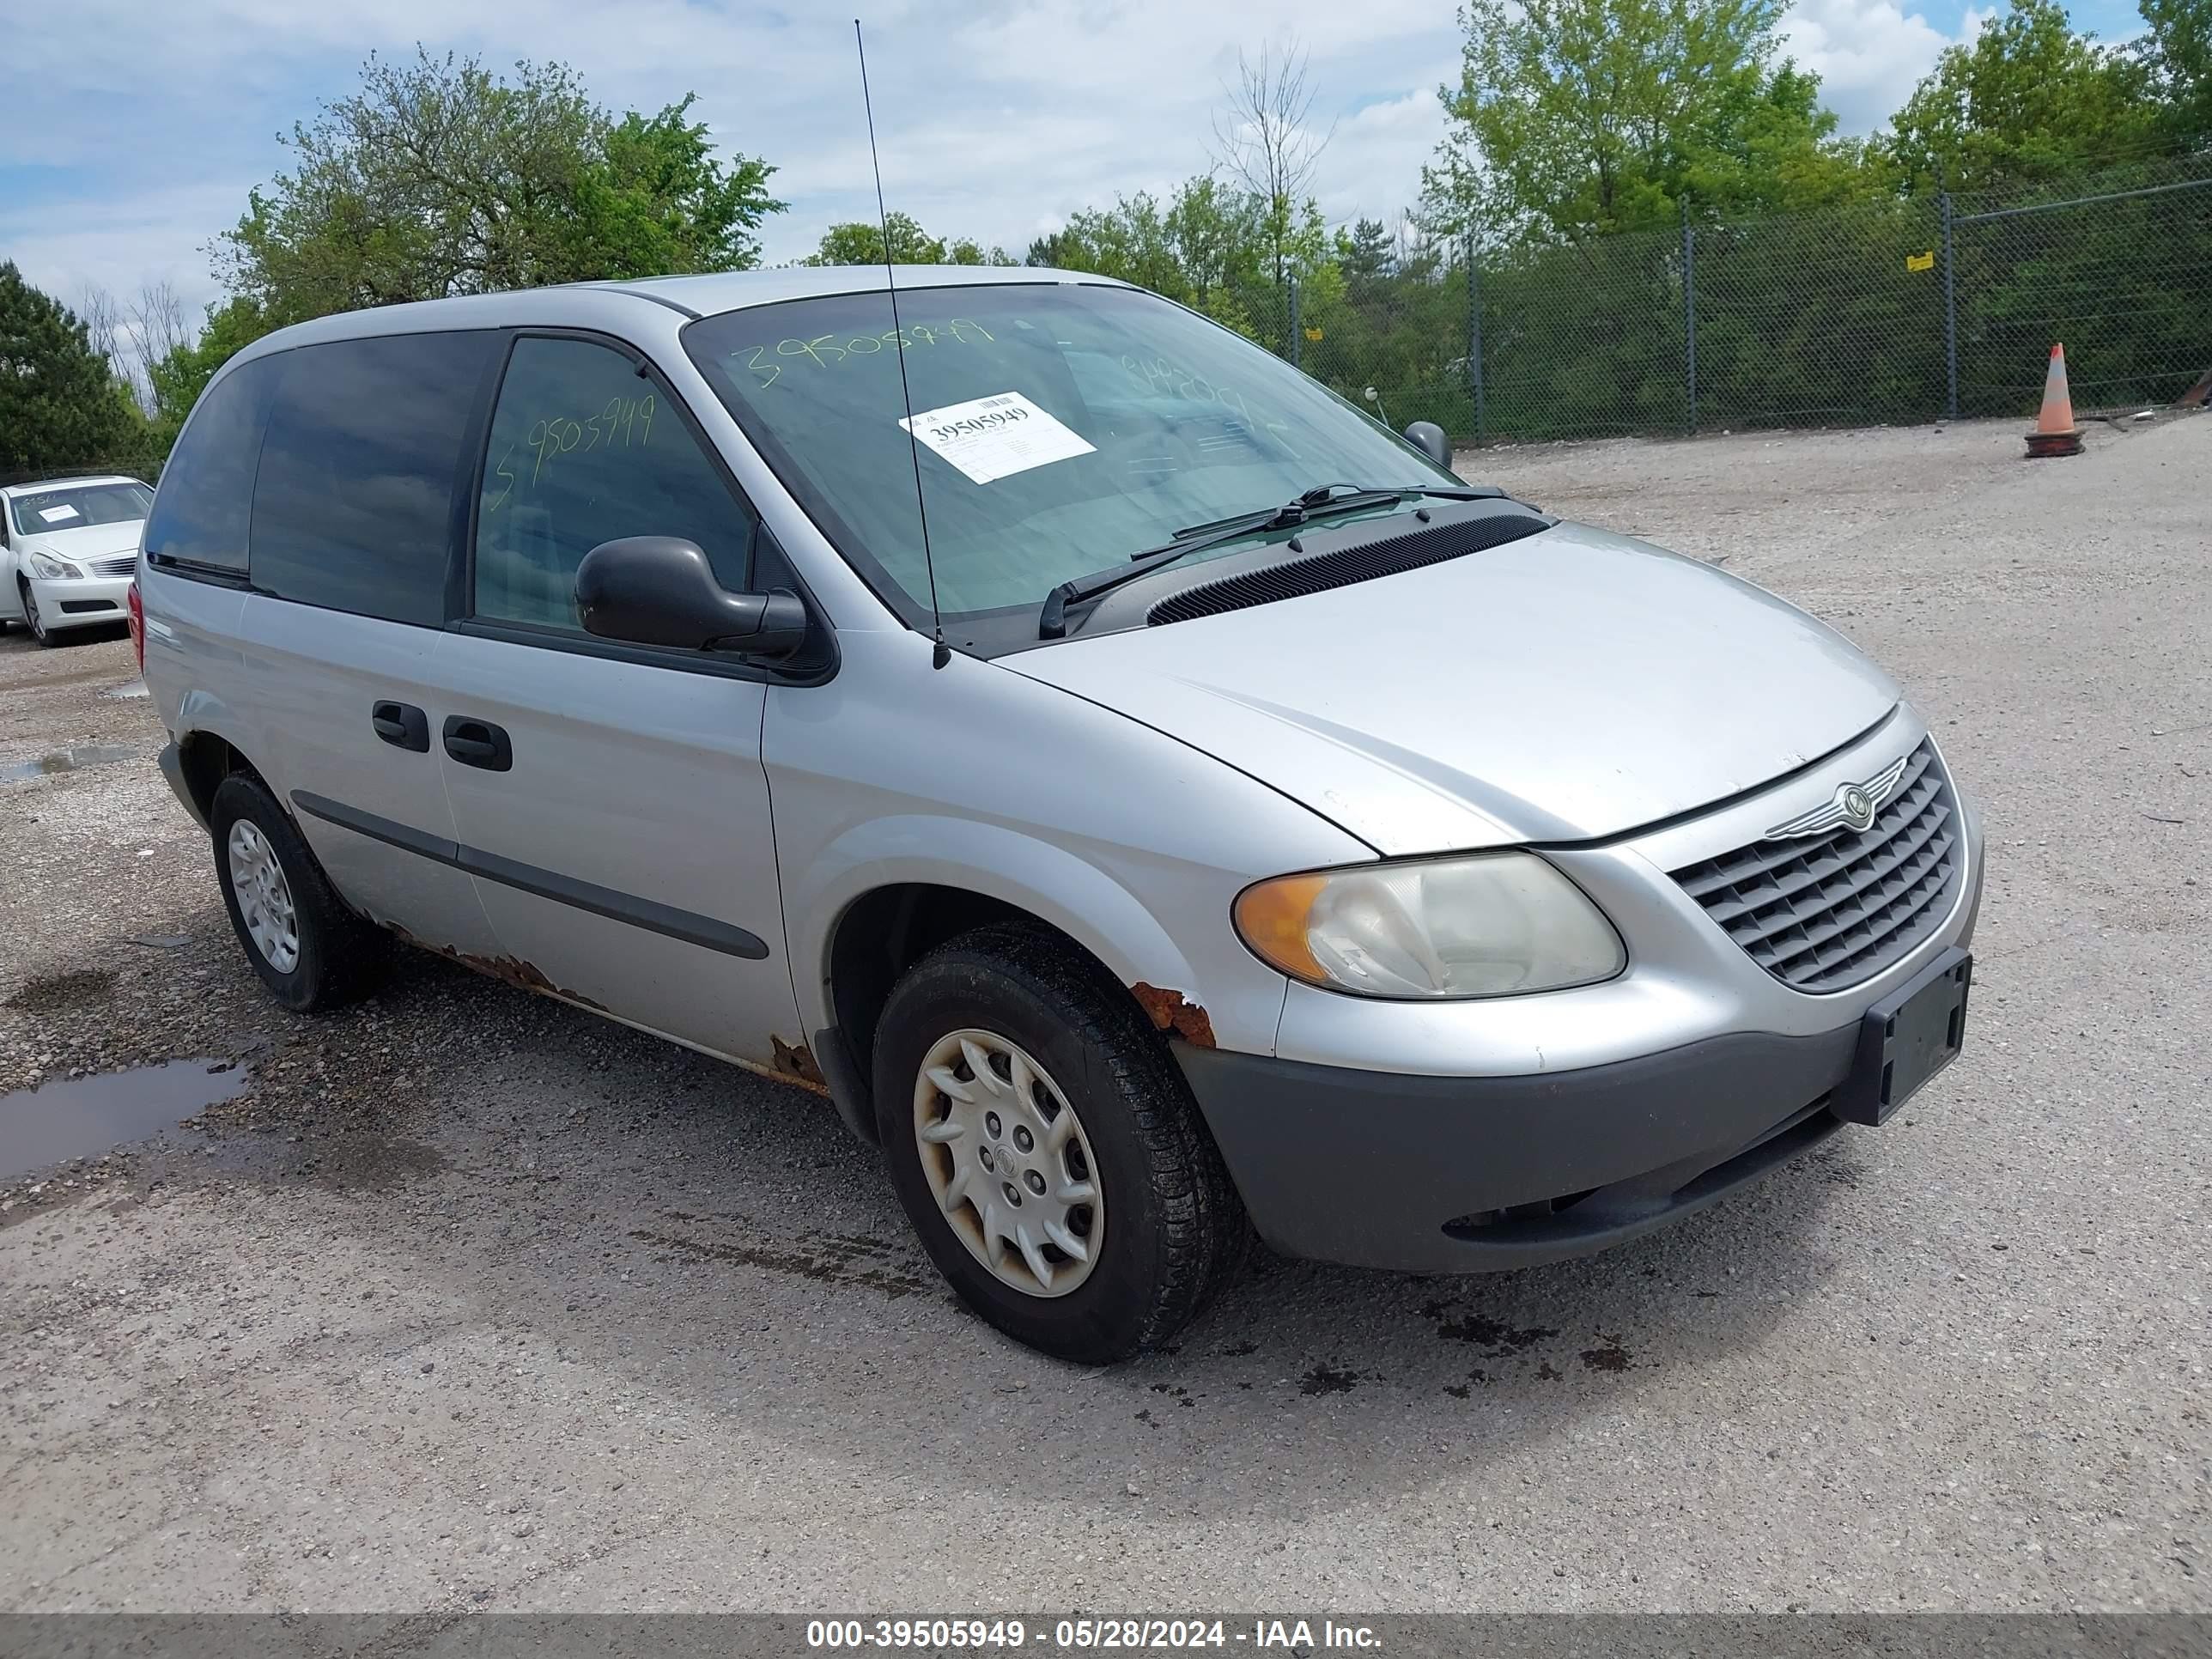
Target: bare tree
(113, 327)
(1262, 139)
(102, 316)
(158, 326)
(135, 334)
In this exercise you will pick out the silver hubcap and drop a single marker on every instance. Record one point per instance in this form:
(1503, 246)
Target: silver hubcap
(264, 897)
(1008, 1162)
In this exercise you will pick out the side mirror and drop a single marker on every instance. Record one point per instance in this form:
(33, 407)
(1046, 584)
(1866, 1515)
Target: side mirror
(1429, 438)
(659, 590)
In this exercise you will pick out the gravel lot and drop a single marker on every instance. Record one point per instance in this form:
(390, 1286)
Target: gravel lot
(470, 1300)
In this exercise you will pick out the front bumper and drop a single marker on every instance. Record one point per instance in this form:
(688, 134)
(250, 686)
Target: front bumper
(90, 602)
(1468, 1137)
(1474, 1174)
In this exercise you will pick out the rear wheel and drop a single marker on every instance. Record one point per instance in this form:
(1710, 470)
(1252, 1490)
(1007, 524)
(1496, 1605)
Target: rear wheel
(1047, 1149)
(310, 951)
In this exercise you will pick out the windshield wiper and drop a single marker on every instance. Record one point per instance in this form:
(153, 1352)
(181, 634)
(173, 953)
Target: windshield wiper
(1321, 501)
(1324, 497)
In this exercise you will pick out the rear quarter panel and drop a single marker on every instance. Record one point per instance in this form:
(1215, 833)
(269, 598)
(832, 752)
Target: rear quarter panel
(196, 668)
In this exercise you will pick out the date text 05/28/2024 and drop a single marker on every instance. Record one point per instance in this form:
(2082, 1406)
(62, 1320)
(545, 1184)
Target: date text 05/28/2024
(1089, 1633)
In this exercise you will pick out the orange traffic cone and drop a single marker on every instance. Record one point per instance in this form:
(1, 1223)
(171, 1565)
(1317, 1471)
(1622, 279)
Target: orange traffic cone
(2055, 432)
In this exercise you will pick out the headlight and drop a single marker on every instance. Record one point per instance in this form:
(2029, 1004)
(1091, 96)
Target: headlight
(1489, 925)
(47, 567)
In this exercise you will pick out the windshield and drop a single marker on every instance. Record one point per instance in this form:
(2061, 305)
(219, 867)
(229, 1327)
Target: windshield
(1062, 427)
(75, 506)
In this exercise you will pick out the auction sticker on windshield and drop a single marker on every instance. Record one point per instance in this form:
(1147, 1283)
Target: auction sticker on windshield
(989, 438)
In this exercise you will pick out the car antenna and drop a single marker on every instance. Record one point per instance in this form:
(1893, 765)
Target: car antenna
(942, 653)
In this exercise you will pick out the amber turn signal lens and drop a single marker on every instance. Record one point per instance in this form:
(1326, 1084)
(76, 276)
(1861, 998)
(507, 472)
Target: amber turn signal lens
(1272, 919)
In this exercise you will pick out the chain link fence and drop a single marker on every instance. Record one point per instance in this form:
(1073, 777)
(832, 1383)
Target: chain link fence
(2122, 273)
(1903, 311)
(145, 468)
(1892, 311)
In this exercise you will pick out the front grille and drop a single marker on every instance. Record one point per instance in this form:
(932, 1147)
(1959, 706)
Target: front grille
(122, 565)
(1822, 914)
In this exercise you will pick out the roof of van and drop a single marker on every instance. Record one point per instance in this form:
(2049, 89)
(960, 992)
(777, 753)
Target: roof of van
(677, 297)
(730, 290)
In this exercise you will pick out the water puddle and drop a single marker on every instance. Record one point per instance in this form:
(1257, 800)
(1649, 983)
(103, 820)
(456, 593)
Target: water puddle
(126, 693)
(84, 1117)
(68, 760)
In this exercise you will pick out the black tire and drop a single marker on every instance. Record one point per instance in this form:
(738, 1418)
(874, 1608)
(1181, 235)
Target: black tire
(1175, 1230)
(340, 957)
(31, 619)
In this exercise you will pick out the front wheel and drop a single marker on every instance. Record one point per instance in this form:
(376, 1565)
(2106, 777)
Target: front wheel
(31, 619)
(1047, 1149)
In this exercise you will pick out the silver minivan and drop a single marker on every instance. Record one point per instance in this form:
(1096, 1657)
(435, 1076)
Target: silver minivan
(1152, 801)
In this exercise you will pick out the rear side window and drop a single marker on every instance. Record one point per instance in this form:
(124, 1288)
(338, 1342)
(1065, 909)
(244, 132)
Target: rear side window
(199, 516)
(583, 450)
(367, 450)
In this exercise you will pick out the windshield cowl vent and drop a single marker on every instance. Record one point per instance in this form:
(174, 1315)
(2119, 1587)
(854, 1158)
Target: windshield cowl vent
(1319, 572)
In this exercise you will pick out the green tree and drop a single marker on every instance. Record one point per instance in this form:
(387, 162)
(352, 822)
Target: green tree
(438, 177)
(2027, 100)
(1214, 247)
(2178, 52)
(858, 242)
(1128, 241)
(966, 250)
(659, 203)
(1572, 117)
(1211, 238)
(1367, 252)
(61, 405)
(1217, 235)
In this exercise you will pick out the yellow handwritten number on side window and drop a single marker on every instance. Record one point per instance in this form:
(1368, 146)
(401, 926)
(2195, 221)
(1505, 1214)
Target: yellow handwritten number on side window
(501, 471)
(624, 423)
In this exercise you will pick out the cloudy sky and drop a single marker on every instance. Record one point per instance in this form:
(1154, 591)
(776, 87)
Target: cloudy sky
(134, 128)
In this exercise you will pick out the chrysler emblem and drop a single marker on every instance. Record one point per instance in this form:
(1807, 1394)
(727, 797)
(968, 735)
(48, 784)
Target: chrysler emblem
(1852, 806)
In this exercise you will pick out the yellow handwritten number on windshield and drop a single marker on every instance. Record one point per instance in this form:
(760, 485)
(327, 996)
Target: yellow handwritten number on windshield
(501, 472)
(824, 350)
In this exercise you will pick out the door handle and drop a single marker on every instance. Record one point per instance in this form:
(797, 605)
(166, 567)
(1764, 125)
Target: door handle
(401, 725)
(478, 742)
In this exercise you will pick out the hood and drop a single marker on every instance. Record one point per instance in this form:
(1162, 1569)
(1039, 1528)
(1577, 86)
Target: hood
(1568, 686)
(90, 541)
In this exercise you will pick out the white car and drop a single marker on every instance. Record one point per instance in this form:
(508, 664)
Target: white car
(69, 548)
